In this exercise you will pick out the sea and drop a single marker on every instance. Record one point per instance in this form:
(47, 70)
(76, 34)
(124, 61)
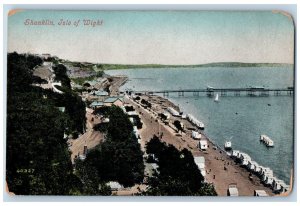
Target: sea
(240, 119)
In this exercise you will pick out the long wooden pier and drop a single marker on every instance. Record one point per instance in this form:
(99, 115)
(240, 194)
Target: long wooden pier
(249, 91)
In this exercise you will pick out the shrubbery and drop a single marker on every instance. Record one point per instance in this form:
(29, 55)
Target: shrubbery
(119, 157)
(178, 173)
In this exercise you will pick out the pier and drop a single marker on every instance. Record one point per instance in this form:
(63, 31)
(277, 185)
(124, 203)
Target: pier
(209, 91)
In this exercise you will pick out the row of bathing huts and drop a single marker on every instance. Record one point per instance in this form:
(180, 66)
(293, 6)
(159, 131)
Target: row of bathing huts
(264, 173)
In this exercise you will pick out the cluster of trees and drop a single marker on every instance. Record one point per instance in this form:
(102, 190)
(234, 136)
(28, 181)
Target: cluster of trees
(60, 72)
(38, 160)
(177, 173)
(119, 158)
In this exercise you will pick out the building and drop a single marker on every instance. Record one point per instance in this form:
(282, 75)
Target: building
(96, 104)
(114, 185)
(62, 109)
(117, 101)
(100, 93)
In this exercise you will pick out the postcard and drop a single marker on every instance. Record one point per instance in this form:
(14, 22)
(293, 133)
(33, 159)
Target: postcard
(150, 103)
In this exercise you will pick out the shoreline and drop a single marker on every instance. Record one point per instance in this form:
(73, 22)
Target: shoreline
(215, 159)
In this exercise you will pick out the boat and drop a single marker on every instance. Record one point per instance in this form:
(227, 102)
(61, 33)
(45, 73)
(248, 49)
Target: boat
(217, 97)
(227, 145)
(266, 140)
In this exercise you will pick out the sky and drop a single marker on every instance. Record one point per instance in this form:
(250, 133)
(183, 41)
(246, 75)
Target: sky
(157, 37)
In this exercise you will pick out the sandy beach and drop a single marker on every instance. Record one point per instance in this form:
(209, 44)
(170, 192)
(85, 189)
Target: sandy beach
(215, 159)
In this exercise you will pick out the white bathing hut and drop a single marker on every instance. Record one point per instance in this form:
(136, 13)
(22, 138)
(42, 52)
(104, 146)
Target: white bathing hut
(194, 121)
(260, 193)
(276, 185)
(234, 153)
(268, 179)
(200, 162)
(173, 112)
(203, 144)
(266, 140)
(267, 171)
(284, 187)
(257, 168)
(245, 158)
(196, 135)
(233, 190)
(251, 165)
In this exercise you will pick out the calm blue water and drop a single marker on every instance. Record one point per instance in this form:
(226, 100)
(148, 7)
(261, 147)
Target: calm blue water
(243, 119)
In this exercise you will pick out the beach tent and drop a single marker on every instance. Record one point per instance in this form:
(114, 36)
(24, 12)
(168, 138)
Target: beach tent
(267, 170)
(251, 165)
(260, 193)
(256, 167)
(200, 162)
(268, 179)
(235, 153)
(196, 135)
(276, 185)
(232, 190)
(284, 187)
(203, 144)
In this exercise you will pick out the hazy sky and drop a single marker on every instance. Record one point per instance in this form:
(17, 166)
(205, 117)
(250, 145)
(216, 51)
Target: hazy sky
(164, 37)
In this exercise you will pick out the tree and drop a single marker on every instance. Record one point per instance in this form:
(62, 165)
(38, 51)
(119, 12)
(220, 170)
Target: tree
(38, 160)
(178, 173)
(125, 162)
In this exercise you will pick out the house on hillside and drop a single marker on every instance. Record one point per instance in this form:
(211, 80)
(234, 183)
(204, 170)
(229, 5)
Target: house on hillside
(117, 101)
(115, 186)
(100, 93)
(62, 109)
(96, 104)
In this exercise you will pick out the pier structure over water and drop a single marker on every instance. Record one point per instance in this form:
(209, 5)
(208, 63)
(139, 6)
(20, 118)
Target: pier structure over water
(209, 91)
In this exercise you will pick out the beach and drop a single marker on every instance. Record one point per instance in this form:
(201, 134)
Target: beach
(215, 159)
(221, 169)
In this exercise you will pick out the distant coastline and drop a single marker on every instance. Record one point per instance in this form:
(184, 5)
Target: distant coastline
(104, 66)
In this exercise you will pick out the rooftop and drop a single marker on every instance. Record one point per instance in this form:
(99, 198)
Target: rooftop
(95, 104)
(101, 93)
(112, 99)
